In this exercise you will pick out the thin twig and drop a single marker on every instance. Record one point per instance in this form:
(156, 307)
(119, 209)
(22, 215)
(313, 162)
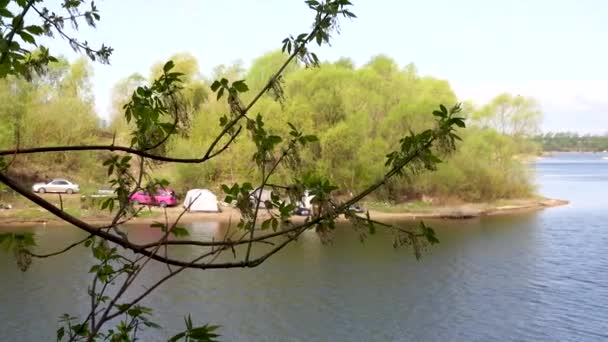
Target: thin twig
(61, 251)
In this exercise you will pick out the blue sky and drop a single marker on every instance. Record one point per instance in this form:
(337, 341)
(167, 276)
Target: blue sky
(553, 50)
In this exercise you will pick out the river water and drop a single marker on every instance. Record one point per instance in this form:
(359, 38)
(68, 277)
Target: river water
(540, 276)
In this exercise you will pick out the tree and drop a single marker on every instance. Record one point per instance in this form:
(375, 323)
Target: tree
(155, 117)
(513, 115)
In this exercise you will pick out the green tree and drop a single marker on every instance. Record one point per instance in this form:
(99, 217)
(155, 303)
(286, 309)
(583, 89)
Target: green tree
(513, 115)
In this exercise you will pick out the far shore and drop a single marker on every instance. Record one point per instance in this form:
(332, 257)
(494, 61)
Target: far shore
(13, 217)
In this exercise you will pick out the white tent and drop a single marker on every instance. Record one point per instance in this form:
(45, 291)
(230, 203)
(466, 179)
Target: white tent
(306, 201)
(201, 200)
(266, 196)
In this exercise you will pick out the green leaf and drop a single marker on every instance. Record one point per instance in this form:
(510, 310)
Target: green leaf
(215, 86)
(266, 224)
(459, 122)
(240, 86)
(27, 37)
(180, 232)
(151, 324)
(5, 13)
(226, 189)
(275, 224)
(429, 233)
(60, 333)
(135, 311)
(160, 225)
(203, 334)
(273, 140)
(34, 29)
(177, 337)
(223, 121)
(372, 227)
(80, 329)
(168, 66)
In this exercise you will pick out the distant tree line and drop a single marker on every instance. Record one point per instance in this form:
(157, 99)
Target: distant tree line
(572, 142)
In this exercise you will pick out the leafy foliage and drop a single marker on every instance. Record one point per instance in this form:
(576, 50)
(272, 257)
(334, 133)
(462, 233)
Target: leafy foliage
(19, 244)
(204, 333)
(17, 35)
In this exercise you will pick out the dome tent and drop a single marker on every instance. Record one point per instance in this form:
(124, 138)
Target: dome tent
(201, 200)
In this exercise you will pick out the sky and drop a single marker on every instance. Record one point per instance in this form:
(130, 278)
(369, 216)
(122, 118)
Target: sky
(552, 50)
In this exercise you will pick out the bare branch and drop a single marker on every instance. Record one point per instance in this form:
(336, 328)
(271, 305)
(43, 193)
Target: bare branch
(61, 251)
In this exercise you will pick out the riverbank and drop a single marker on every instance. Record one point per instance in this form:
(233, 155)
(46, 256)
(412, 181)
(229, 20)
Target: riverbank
(378, 211)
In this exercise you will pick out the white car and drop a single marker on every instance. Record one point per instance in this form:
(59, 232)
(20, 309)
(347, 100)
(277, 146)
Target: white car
(56, 185)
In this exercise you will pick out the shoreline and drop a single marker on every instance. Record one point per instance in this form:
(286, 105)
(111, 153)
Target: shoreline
(10, 217)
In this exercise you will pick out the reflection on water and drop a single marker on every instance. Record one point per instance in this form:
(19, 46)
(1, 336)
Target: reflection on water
(535, 276)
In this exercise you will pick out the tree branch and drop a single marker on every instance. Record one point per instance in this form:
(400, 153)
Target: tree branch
(61, 251)
(113, 148)
(264, 90)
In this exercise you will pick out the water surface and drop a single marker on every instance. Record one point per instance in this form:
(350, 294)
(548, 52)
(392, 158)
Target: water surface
(540, 276)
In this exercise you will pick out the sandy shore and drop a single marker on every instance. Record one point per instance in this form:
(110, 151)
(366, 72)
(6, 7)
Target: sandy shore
(463, 211)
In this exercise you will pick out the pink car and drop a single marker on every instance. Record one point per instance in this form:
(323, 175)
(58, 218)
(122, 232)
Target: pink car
(163, 198)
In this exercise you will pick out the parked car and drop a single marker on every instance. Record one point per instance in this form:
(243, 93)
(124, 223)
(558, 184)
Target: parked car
(301, 211)
(163, 198)
(56, 185)
(356, 209)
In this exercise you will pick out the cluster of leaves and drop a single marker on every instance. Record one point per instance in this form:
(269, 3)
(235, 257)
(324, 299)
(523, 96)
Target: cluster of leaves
(265, 143)
(16, 57)
(320, 189)
(416, 149)
(280, 211)
(298, 141)
(326, 21)
(268, 160)
(418, 238)
(19, 244)
(236, 108)
(204, 333)
(241, 196)
(121, 182)
(110, 267)
(150, 109)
